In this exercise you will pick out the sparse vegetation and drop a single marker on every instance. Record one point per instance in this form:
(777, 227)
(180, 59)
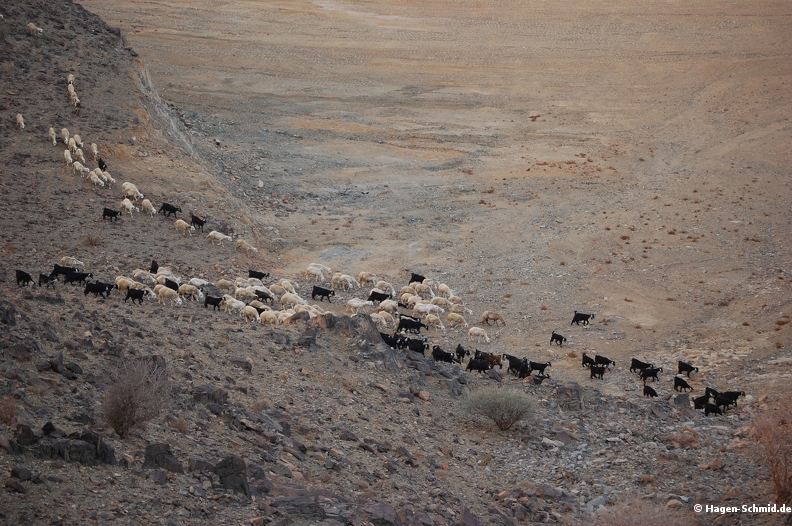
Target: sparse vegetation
(773, 430)
(640, 513)
(7, 411)
(502, 406)
(92, 241)
(139, 392)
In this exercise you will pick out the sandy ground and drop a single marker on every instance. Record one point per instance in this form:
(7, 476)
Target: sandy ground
(627, 159)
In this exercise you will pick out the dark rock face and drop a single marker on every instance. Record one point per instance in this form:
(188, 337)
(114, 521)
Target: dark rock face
(88, 448)
(159, 456)
(233, 474)
(301, 507)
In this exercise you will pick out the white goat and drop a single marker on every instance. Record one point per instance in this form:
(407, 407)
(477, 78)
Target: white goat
(79, 141)
(229, 304)
(78, 167)
(53, 137)
(65, 135)
(127, 205)
(166, 295)
(147, 207)
(33, 30)
(478, 332)
(96, 180)
(72, 145)
(130, 190)
(356, 305)
(68, 261)
(68, 157)
(291, 300)
(20, 121)
(94, 150)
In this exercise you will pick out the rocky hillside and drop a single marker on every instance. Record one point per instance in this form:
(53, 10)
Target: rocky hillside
(315, 421)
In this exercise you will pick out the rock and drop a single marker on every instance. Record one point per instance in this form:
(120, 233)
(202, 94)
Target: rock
(158, 476)
(423, 395)
(21, 473)
(26, 436)
(682, 400)
(551, 443)
(570, 396)
(298, 317)
(209, 393)
(245, 364)
(495, 375)
(382, 514)
(199, 464)
(19, 352)
(673, 503)
(468, 519)
(306, 508)
(308, 338)
(349, 436)
(159, 456)
(232, 471)
(15, 485)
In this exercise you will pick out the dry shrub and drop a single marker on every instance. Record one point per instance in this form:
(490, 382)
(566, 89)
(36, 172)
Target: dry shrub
(7, 411)
(139, 392)
(181, 425)
(502, 406)
(641, 513)
(773, 430)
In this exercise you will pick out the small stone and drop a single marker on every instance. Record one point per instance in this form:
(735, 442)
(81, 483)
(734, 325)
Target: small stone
(673, 503)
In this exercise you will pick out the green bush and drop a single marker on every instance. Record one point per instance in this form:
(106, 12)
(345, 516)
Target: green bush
(139, 392)
(502, 406)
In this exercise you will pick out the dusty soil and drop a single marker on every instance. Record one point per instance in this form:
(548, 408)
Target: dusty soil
(625, 160)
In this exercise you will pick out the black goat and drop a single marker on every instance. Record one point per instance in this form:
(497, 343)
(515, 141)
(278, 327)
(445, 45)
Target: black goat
(514, 363)
(49, 280)
(322, 293)
(440, 355)
(199, 222)
(638, 365)
(478, 365)
(416, 345)
(700, 401)
(557, 338)
(171, 284)
(650, 372)
(154, 266)
(601, 360)
(709, 391)
(378, 296)
(102, 165)
(725, 402)
(461, 352)
(733, 395)
(214, 302)
(168, 209)
(712, 408)
(649, 391)
(24, 279)
(390, 341)
(535, 366)
(136, 295)
(416, 277)
(681, 385)
(99, 289)
(410, 325)
(77, 277)
(686, 368)
(597, 370)
(587, 361)
(579, 318)
(59, 270)
(258, 275)
(263, 296)
(112, 214)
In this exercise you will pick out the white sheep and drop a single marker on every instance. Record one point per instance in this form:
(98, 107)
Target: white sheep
(214, 235)
(433, 321)
(53, 137)
(147, 207)
(269, 317)
(96, 180)
(250, 313)
(75, 100)
(166, 295)
(290, 286)
(144, 276)
(478, 332)
(316, 272)
(291, 300)
(78, 154)
(224, 284)
(356, 305)
(441, 302)
(389, 306)
(166, 273)
(407, 289)
(455, 319)
(367, 277)
(130, 190)
(68, 261)
(455, 299)
(70, 78)
(460, 309)
(410, 299)
(378, 320)
(229, 304)
(277, 289)
(33, 30)
(20, 121)
(422, 289)
(259, 305)
(78, 167)
(321, 267)
(65, 135)
(95, 150)
(181, 224)
(489, 316)
(70, 88)
(241, 244)
(248, 282)
(344, 282)
(67, 155)
(284, 315)
(79, 141)
(444, 290)
(127, 205)
(107, 176)
(385, 317)
(190, 291)
(244, 294)
(72, 145)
